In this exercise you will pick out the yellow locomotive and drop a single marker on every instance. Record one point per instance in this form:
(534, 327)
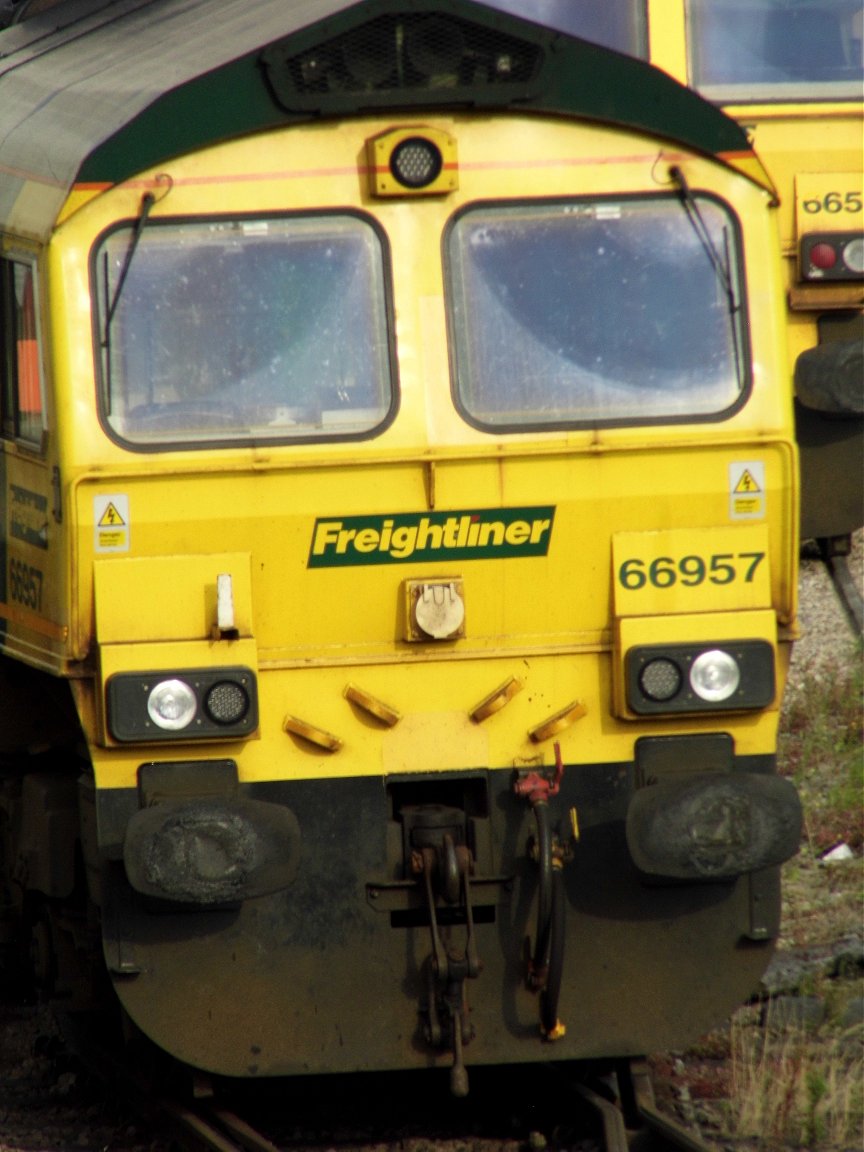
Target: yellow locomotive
(399, 536)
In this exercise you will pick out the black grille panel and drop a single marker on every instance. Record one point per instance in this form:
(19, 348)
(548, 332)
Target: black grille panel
(422, 57)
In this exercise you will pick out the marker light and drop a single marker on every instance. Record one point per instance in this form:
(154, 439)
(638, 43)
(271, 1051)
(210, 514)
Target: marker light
(171, 705)
(832, 256)
(182, 704)
(823, 256)
(416, 162)
(660, 679)
(227, 702)
(715, 675)
(667, 679)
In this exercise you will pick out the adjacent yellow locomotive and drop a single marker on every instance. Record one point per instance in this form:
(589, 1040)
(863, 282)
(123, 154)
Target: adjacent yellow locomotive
(399, 536)
(792, 74)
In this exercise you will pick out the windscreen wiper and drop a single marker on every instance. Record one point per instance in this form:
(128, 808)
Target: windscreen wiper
(719, 263)
(147, 202)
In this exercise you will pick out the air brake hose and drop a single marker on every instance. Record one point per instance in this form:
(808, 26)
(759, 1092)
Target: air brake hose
(549, 1022)
(547, 962)
(543, 939)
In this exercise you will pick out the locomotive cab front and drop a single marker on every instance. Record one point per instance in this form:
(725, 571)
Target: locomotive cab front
(424, 565)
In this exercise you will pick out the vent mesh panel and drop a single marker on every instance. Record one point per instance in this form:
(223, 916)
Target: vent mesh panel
(414, 54)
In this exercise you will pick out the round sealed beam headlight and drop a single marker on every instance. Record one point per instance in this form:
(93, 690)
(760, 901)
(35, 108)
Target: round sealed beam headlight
(715, 675)
(172, 705)
(182, 704)
(853, 255)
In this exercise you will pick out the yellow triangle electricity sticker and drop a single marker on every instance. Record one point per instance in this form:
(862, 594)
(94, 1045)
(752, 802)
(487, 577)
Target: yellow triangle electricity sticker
(111, 523)
(747, 490)
(746, 483)
(111, 518)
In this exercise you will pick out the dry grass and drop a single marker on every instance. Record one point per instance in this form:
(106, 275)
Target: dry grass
(789, 1075)
(793, 1087)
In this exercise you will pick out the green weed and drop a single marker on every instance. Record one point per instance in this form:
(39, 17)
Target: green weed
(821, 746)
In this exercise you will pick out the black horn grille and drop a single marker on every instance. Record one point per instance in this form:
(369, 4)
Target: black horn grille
(419, 57)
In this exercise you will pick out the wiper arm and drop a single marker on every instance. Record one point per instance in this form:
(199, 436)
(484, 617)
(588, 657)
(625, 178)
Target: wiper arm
(147, 202)
(694, 214)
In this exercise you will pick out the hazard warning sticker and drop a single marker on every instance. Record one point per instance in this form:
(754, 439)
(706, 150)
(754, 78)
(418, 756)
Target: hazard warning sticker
(111, 523)
(747, 490)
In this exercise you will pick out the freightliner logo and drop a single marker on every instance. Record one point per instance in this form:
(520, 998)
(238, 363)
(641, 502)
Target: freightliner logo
(477, 534)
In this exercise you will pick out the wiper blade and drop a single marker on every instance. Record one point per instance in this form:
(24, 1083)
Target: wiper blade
(147, 202)
(718, 263)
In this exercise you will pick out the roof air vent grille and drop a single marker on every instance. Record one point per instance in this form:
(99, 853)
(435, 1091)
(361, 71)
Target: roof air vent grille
(415, 58)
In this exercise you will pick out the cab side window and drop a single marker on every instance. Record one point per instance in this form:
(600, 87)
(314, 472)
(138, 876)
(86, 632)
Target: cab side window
(21, 400)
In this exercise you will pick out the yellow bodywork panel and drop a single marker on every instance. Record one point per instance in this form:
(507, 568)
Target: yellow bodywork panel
(150, 598)
(828, 201)
(678, 570)
(341, 603)
(331, 545)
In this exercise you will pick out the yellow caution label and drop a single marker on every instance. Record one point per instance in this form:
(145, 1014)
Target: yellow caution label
(747, 490)
(747, 483)
(111, 523)
(111, 518)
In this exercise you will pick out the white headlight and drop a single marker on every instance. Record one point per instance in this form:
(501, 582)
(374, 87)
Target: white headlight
(171, 704)
(853, 255)
(715, 675)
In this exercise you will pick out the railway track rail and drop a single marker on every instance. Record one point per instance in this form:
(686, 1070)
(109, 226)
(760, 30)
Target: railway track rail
(614, 1112)
(215, 1130)
(600, 1124)
(845, 585)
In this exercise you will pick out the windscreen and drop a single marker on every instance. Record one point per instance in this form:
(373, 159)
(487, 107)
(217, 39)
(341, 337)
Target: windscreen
(244, 330)
(618, 24)
(585, 312)
(747, 51)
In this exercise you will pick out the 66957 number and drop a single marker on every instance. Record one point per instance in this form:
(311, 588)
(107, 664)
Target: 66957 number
(690, 570)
